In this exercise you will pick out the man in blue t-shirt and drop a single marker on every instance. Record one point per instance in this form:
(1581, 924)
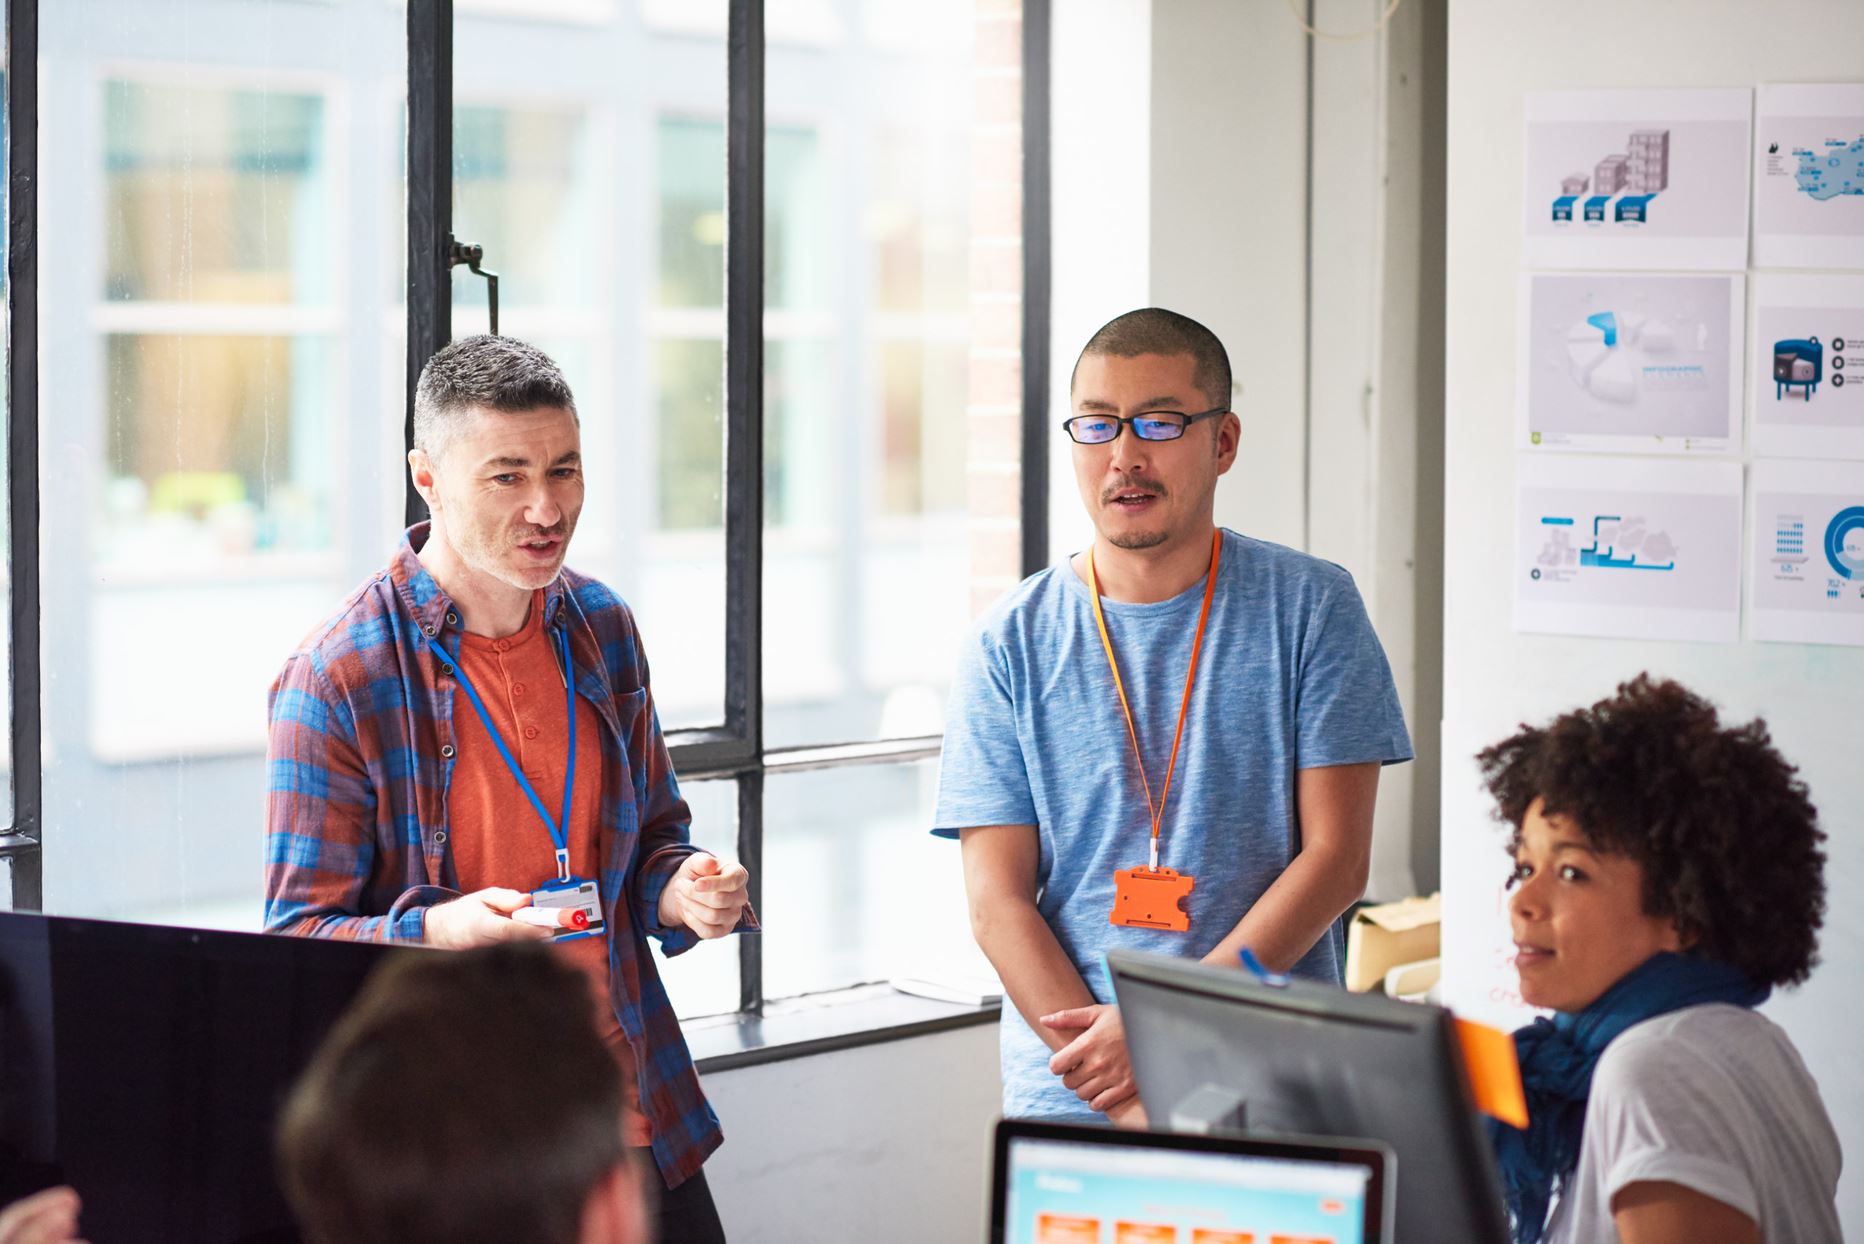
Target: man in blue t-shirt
(1267, 806)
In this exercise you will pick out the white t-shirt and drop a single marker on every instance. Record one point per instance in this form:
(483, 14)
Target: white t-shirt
(1714, 1098)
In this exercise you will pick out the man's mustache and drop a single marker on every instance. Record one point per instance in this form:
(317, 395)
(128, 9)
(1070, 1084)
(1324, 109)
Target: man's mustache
(1147, 487)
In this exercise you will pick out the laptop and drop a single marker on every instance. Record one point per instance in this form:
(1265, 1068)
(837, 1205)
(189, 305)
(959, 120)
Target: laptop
(1056, 1183)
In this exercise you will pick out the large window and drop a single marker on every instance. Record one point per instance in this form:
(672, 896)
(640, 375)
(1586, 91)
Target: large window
(225, 195)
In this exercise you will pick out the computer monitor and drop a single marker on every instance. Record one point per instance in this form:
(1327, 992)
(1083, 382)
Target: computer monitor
(1054, 1183)
(1215, 1047)
(145, 1066)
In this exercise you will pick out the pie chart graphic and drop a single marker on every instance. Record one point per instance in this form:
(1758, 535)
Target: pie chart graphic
(1844, 543)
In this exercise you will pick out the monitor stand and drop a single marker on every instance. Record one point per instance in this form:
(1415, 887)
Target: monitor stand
(1210, 1110)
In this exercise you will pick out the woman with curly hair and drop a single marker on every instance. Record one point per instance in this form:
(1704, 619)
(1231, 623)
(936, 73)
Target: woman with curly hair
(1667, 874)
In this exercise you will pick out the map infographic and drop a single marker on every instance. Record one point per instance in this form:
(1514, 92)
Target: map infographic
(1809, 177)
(1834, 168)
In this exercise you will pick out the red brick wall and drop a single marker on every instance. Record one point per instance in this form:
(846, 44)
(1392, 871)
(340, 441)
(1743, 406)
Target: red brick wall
(993, 415)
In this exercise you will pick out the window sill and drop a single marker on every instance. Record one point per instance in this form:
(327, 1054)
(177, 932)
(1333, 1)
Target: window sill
(822, 1024)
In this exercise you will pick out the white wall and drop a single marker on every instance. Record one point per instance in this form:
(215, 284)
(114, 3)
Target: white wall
(1494, 678)
(1101, 223)
(1229, 225)
(1371, 407)
(882, 1142)
(1181, 180)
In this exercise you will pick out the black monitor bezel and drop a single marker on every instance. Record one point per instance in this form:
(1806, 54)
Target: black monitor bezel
(1338, 1005)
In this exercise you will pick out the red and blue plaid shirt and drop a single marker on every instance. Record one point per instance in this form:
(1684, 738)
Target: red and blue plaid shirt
(361, 752)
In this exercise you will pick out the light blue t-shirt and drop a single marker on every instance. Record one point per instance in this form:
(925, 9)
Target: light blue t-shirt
(1291, 677)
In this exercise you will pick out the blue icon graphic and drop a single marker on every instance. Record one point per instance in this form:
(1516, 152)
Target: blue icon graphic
(1607, 558)
(1798, 362)
(1848, 564)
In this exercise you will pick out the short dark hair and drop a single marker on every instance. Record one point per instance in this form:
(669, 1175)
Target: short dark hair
(1154, 330)
(1724, 830)
(496, 373)
(465, 1096)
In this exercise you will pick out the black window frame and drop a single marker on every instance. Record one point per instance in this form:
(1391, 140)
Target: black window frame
(731, 751)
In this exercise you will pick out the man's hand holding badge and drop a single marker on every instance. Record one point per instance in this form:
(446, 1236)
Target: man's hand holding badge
(479, 919)
(705, 895)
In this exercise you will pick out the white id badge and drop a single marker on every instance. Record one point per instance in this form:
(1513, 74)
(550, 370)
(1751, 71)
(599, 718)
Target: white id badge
(570, 909)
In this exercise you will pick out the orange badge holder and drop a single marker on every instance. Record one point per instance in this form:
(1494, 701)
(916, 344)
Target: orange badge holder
(1151, 898)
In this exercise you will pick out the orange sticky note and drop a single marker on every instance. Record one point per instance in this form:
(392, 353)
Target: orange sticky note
(1494, 1075)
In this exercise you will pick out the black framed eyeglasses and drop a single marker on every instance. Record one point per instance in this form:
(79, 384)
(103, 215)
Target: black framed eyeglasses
(1148, 425)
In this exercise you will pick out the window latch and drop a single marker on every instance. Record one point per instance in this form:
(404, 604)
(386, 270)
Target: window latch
(472, 255)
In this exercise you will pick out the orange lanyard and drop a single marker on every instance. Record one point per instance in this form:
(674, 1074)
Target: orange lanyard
(1210, 587)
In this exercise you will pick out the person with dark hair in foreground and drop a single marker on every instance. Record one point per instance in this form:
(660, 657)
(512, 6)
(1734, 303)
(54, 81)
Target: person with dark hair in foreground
(1667, 875)
(467, 751)
(463, 1098)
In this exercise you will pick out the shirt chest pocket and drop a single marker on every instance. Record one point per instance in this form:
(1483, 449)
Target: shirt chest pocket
(623, 752)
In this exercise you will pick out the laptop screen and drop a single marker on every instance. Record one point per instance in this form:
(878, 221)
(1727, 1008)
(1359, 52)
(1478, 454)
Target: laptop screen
(1128, 1188)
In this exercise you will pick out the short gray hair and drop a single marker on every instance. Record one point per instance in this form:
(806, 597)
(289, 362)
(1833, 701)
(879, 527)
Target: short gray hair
(496, 373)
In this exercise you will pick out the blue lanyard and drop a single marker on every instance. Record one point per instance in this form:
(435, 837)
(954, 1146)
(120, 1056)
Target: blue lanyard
(559, 829)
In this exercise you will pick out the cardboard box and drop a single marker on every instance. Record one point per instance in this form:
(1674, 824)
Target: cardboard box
(1382, 937)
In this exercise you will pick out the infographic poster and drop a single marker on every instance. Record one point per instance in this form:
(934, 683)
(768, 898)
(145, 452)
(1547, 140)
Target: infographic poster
(1808, 366)
(1625, 547)
(1637, 179)
(1806, 553)
(1630, 363)
(1809, 177)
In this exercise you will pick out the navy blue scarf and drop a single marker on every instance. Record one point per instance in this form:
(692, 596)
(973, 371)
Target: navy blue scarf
(1557, 1057)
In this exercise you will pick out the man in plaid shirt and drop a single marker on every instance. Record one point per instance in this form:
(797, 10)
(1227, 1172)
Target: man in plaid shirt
(400, 811)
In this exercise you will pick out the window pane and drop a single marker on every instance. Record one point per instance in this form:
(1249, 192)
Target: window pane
(599, 212)
(855, 888)
(692, 213)
(217, 449)
(893, 332)
(215, 193)
(704, 980)
(222, 461)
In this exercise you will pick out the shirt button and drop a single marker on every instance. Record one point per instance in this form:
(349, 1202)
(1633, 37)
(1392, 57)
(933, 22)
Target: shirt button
(530, 732)
(501, 646)
(446, 751)
(440, 835)
(517, 688)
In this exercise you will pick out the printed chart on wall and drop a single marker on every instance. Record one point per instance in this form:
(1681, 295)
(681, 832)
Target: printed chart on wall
(1809, 177)
(1806, 558)
(1808, 366)
(1639, 363)
(1639, 548)
(1637, 179)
